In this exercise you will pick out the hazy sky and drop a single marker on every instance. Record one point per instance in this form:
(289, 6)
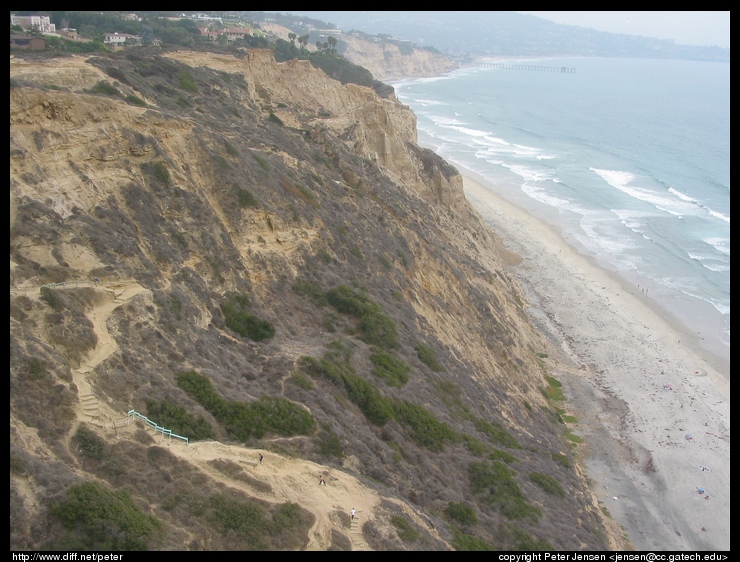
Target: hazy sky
(685, 28)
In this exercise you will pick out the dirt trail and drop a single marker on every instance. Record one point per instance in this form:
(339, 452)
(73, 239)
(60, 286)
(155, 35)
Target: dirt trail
(289, 479)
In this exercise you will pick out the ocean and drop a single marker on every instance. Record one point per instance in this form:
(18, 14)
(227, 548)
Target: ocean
(630, 158)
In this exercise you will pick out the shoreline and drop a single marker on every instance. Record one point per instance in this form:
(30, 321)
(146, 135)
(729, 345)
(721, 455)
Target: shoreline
(614, 350)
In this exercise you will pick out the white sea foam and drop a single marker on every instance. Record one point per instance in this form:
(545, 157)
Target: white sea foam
(699, 204)
(622, 181)
(529, 173)
(441, 120)
(719, 244)
(467, 131)
(539, 194)
(718, 215)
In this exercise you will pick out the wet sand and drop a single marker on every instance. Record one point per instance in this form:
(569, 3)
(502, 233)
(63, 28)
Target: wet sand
(616, 350)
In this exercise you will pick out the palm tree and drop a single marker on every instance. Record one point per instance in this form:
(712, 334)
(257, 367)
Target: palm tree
(303, 41)
(292, 37)
(332, 44)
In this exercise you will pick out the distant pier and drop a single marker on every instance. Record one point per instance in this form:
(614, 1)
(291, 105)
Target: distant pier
(508, 66)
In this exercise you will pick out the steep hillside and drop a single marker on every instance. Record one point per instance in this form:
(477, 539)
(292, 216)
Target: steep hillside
(389, 60)
(383, 58)
(264, 261)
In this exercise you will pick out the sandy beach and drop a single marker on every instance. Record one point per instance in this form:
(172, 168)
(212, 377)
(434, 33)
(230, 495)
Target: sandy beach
(653, 405)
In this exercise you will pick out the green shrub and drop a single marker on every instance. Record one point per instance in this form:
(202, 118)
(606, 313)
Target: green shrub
(377, 408)
(262, 162)
(496, 432)
(495, 485)
(230, 148)
(329, 444)
(105, 88)
(187, 82)
(275, 119)
(324, 255)
(348, 301)
(562, 460)
(429, 357)
(554, 389)
(90, 443)
(134, 100)
(519, 540)
(223, 163)
(475, 446)
(52, 298)
(177, 419)
(426, 430)
(499, 455)
(252, 527)
(36, 369)
(461, 513)
(310, 290)
(404, 529)
(377, 328)
(384, 261)
(245, 421)
(158, 171)
(464, 542)
(244, 323)
(17, 465)
(300, 380)
(389, 368)
(548, 483)
(101, 519)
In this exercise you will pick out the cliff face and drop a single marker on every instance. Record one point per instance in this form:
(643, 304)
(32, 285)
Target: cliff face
(386, 60)
(200, 237)
(382, 58)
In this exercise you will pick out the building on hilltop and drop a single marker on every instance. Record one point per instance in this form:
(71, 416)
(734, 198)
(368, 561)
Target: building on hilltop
(41, 23)
(120, 40)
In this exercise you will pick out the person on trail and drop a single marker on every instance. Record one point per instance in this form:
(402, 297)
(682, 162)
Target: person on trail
(353, 513)
(321, 481)
(261, 457)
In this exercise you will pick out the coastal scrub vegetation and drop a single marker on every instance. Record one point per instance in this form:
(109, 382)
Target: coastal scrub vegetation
(495, 485)
(246, 421)
(179, 420)
(244, 323)
(548, 483)
(405, 530)
(390, 368)
(376, 328)
(98, 518)
(462, 513)
(465, 542)
(428, 356)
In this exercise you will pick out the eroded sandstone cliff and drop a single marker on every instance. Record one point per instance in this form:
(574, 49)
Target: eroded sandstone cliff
(184, 216)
